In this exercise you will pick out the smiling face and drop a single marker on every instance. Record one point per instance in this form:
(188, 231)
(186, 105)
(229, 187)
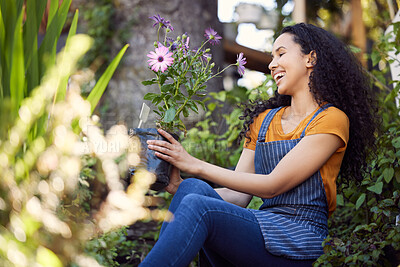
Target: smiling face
(289, 67)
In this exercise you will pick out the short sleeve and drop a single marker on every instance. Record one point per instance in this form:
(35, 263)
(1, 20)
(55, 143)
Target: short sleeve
(331, 121)
(254, 130)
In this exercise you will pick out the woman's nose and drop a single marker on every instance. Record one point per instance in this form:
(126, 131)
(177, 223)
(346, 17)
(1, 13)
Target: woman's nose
(272, 64)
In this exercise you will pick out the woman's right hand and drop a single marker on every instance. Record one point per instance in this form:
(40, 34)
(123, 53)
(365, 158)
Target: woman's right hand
(173, 152)
(175, 180)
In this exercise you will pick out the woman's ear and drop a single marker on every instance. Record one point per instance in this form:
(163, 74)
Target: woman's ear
(311, 59)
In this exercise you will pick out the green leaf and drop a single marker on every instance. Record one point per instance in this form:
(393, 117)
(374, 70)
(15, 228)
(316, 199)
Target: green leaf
(52, 12)
(47, 50)
(150, 96)
(376, 253)
(375, 57)
(101, 85)
(212, 106)
(355, 49)
(34, 13)
(397, 175)
(46, 257)
(396, 142)
(163, 78)
(62, 89)
(167, 88)
(366, 227)
(360, 201)
(169, 115)
(149, 82)
(192, 105)
(179, 97)
(388, 174)
(185, 112)
(377, 188)
(201, 103)
(221, 96)
(158, 113)
(17, 77)
(156, 100)
(385, 160)
(339, 200)
(388, 202)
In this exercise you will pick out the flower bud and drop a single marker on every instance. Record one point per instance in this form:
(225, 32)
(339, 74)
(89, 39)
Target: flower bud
(212, 65)
(178, 38)
(155, 44)
(207, 50)
(184, 36)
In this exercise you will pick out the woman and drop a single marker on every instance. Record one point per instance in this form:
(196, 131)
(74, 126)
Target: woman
(295, 146)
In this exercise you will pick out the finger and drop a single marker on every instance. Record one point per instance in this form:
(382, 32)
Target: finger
(163, 156)
(161, 149)
(159, 143)
(169, 137)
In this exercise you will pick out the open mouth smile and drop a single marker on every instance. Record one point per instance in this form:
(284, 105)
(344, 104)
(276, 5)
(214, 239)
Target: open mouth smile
(279, 76)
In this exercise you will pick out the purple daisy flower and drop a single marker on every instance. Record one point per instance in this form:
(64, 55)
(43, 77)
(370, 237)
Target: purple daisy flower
(161, 59)
(161, 21)
(213, 36)
(240, 62)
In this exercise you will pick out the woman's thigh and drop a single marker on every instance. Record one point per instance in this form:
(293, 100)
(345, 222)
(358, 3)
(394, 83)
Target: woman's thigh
(235, 237)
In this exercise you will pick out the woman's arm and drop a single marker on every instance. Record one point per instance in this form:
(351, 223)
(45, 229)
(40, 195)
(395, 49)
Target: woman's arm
(300, 163)
(245, 164)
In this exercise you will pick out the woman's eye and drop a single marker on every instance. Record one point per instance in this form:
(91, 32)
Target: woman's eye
(281, 54)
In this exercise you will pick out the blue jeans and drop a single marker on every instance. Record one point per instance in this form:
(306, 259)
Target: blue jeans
(230, 235)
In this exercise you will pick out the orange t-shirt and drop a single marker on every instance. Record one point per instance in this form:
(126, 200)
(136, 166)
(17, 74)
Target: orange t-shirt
(332, 121)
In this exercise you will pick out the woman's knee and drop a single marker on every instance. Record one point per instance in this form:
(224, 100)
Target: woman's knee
(193, 185)
(198, 203)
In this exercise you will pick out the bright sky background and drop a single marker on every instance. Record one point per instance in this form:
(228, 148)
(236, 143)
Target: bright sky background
(248, 34)
(226, 8)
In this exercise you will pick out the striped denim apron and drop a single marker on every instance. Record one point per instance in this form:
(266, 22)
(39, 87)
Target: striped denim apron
(293, 224)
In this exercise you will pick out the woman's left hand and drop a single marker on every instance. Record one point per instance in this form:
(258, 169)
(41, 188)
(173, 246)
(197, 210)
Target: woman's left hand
(173, 152)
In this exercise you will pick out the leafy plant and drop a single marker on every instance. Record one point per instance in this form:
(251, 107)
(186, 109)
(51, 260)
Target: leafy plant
(109, 246)
(181, 75)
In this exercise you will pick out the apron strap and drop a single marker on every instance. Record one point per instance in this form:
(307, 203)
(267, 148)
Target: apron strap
(315, 115)
(266, 122)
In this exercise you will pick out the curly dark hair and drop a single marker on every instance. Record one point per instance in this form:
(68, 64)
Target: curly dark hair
(337, 78)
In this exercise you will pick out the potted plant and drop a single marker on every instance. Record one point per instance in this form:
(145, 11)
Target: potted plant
(181, 74)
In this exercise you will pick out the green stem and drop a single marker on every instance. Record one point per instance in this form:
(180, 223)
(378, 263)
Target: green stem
(159, 87)
(377, 81)
(165, 37)
(181, 108)
(221, 71)
(158, 33)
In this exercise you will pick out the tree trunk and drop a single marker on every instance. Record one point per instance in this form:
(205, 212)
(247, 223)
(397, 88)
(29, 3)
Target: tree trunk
(124, 95)
(358, 34)
(299, 12)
